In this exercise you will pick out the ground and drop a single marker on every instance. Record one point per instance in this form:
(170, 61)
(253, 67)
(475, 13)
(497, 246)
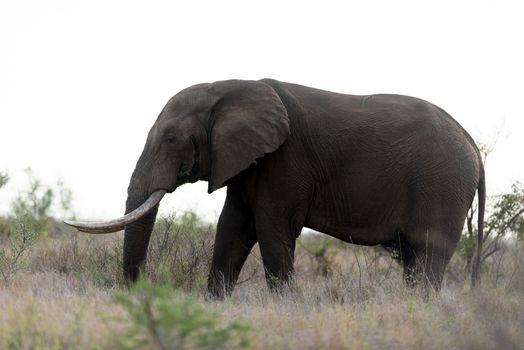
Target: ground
(345, 297)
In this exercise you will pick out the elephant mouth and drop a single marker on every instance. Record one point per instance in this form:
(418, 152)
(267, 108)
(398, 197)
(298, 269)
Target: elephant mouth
(186, 173)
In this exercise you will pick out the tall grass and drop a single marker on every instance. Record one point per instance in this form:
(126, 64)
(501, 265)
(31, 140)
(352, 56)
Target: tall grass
(345, 296)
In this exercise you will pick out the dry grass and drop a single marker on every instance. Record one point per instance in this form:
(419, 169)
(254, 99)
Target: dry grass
(63, 299)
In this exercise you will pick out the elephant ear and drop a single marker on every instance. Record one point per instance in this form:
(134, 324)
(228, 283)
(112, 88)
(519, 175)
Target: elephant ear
(248, 121)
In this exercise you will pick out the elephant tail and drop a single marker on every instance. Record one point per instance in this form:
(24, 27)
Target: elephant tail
(475, 275)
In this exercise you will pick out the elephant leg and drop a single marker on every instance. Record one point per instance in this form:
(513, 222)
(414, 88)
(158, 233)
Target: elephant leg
(234, 240)
(425, 259)
(276, 239)
(426, 268)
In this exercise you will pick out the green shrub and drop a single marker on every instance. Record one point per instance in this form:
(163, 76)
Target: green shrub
(180, 251)
(4, 178)
(15, 249)
(162, 318)
(95, 259)
(39, 203)
(318, 247)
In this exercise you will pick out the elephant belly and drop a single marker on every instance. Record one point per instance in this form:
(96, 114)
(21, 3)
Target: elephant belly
(358, 235)
(367, 218)
(371, 235)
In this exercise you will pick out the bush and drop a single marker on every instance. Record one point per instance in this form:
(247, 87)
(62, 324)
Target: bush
(318, 248)
(4, 178)
(15, 250)
(180, 251)
(40, 204)
(163, 318)
(97, 260)
(179, 254)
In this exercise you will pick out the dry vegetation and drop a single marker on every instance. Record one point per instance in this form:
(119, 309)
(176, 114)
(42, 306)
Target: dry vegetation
(345, 297)
(61, 289)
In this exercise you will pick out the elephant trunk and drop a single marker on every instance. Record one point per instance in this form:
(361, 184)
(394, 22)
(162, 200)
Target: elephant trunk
(138, 233)
(136, 238)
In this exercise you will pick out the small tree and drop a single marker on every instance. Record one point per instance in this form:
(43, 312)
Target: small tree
(34, 203)
(39, 202)
(4, 178)
(14, 252)
(31, 215)
(163, 318)
(506, 220)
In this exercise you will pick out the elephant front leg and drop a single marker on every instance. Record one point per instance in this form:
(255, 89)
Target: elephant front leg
(234, 240)
(278, 258)
(276, 239)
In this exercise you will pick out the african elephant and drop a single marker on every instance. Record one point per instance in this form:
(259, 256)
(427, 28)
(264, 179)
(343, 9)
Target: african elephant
(371, 170)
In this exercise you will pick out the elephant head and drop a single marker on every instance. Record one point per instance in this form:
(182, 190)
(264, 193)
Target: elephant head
(208, 132)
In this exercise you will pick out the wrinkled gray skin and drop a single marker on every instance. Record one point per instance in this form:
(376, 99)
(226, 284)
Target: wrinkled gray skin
(381, 169)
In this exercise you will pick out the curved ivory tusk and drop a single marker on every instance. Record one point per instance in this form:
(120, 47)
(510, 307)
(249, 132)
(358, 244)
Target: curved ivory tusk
(120, 223)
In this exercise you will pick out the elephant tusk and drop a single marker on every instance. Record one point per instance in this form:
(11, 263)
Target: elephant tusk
(120, 223)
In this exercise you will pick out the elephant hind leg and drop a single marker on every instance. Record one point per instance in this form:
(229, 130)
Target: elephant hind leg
(425, 268)
(425, 258)
(411, 259)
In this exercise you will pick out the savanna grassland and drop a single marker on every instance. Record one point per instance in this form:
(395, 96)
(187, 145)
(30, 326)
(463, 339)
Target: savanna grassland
(60, 289)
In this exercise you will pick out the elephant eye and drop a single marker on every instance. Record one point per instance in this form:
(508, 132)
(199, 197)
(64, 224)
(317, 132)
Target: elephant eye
(170, 139)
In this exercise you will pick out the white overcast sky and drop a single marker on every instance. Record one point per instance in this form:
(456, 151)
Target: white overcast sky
(81, 83)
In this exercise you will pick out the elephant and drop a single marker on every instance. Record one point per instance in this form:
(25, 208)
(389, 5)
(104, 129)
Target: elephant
(382, 169)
